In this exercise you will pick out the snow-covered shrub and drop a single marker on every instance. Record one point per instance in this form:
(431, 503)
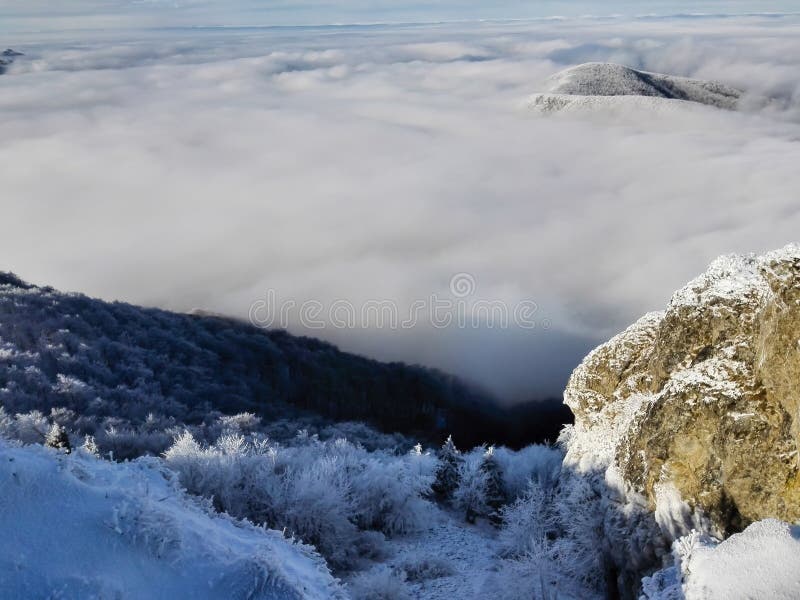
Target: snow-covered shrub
(536, 462)
(318, 507)
(31, 428)
(362, 434)
(238, 477)
(424, 568)
(390, 495)
(333, 494)
(241, 423)
(381, 583)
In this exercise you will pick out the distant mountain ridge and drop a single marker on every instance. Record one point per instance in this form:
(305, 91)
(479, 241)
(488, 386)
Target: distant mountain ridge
(7, 57)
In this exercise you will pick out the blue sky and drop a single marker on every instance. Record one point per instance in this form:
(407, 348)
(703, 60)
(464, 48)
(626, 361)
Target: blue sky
(18, 15)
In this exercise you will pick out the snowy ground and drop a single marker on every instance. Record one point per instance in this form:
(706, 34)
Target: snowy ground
(467, 551)
(77, 527)
(761, 562)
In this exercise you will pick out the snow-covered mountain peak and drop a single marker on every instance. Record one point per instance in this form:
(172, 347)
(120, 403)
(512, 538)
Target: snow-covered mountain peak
(599, 84)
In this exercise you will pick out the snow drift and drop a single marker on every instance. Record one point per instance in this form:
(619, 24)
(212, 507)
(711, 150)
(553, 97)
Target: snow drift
(761, 562)
(596, 85)
(75, 526)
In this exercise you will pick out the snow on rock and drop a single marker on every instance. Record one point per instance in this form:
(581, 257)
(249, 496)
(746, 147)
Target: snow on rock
(695, 410)
(75, 527)
(761, 562)
(602, 85)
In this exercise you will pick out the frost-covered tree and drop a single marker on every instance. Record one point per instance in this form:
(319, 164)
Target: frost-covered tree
(90, 446)
(528, 522)
(551, 543)
(470, 495)
(448, 472)
(6, 423)
(57, 438)
(494, 495)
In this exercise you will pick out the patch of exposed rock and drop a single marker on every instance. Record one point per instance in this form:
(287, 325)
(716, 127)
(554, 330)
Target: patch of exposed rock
(696, 408)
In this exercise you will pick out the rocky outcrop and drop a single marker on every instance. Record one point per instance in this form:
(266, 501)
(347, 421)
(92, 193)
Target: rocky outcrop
(696, 408)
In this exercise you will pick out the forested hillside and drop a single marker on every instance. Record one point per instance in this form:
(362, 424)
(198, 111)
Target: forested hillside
(119, 371)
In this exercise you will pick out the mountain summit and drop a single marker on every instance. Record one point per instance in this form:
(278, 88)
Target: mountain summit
(604, 81)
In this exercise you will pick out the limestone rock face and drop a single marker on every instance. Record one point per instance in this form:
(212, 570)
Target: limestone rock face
(702, 398)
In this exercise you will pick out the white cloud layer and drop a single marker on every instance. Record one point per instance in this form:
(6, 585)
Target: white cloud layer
(198, 168)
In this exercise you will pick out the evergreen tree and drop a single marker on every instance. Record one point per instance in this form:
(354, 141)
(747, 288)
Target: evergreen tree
(495, 496)
(57, 438)
(90, 445)
(448, 473)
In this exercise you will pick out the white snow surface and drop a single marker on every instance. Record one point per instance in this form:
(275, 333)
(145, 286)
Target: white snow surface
(761, 562)
(461, 561)
(609, 79)
(610, 106)
(603, 86)
(469, 550)
(734, 277)
(78, 527)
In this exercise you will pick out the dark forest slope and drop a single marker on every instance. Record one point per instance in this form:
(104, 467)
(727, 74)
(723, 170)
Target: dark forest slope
(116, 360)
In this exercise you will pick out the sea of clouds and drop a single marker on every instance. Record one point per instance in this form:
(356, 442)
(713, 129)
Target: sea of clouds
(200, 168)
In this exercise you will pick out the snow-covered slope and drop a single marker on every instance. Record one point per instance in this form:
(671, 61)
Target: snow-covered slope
(74, 526)
(761, 562)
(595, 85)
